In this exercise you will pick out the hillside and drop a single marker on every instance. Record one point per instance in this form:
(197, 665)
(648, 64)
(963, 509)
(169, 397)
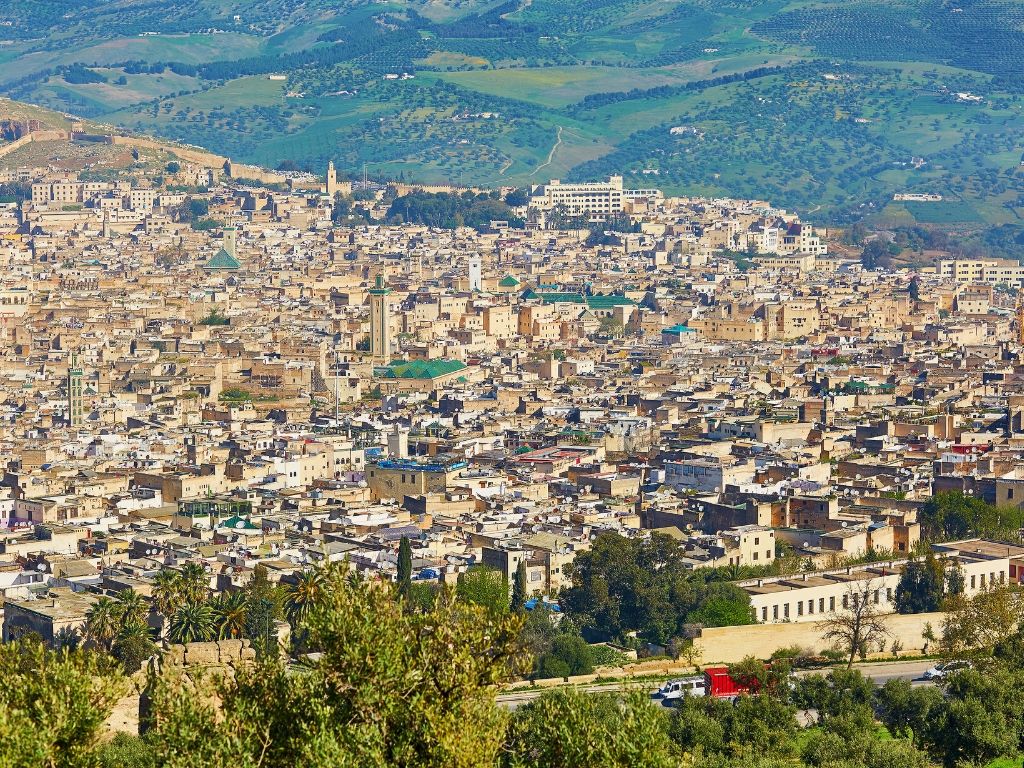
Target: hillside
(828, 108)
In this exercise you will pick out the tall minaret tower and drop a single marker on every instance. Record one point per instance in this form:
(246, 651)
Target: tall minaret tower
(475, 278)
(76, 412)
(231, 241)
(380, 323)
(332, 179)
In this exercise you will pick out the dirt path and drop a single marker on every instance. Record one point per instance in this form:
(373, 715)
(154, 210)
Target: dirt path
(551, 154)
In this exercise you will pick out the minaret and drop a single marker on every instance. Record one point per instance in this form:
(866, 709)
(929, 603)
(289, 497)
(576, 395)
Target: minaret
(230, 241)
(106, 224)
(380, 326)
(332, 179)
(475, 279)
(75, 401)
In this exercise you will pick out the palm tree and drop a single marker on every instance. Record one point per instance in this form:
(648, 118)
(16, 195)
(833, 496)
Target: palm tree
(101, 622)
(166, 592)
(304, 594)
(195, 583)
(67, 637)
(133, 645)
(229, 613)
(192, 623)
(131, 607)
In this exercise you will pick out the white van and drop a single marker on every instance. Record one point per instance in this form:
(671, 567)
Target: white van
(674, 690)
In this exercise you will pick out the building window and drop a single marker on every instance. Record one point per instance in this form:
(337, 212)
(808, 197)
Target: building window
(972, 582)
(764, 613)
(810, 606)
(755, 556)
(821, 605)
(800, 608)
(775, 612)
(785, 611)
(846, 601)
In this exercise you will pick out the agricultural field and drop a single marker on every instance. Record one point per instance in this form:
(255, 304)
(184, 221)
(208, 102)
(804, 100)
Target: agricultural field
(827, 107)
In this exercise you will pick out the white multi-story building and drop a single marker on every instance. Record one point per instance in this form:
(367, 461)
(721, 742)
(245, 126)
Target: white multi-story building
(597, 200)
(987, 271)
(813, 596)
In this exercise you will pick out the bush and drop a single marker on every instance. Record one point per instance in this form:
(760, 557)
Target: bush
(569, 655)
(606, 656)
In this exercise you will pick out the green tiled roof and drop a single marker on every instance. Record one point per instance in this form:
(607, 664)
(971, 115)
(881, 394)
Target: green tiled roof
(222, 260)
(607, 302)
(508, 282)
(593, 302)
(560, 298)
(421, 369)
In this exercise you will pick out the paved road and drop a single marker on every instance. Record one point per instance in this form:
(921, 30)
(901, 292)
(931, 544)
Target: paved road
(880, 673)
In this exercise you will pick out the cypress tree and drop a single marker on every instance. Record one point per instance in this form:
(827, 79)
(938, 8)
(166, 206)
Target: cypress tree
(519, 587)
(404, 567)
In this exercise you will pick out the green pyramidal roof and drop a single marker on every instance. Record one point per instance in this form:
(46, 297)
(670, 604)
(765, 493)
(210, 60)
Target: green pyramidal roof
(508, 282)
(222, 260)
(421, 369)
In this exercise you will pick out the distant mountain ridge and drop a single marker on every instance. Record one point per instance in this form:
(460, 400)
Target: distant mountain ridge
(831, 108)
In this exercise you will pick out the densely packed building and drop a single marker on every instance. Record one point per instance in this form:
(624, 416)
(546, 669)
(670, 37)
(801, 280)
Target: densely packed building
(279, 390)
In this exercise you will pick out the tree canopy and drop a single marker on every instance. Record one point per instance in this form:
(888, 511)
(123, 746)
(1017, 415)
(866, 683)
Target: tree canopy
(624, 585)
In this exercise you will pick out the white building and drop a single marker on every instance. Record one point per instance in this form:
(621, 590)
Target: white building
(597, 200)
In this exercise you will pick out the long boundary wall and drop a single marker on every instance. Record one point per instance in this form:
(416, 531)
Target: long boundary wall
(28, 138)
(731, 644)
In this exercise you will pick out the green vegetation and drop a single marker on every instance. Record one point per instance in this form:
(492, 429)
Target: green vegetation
(451, 210)
(215, 318)
(485, 587)
(235, 395)
(956, 516)
(626, 585)
(924, 585)
(836, 104)
(365, 647)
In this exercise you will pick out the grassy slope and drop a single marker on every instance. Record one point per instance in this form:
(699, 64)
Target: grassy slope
(803, 141)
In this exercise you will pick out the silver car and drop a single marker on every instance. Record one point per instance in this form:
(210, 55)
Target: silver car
(939, 671)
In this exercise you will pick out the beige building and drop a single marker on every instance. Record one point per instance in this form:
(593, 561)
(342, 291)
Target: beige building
(812, 596)
(46, 617)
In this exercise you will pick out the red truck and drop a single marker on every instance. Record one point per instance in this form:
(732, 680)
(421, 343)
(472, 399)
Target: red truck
(719, 684)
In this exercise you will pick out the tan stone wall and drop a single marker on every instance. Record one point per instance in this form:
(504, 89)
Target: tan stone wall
(728, 645)
(197, 156)
(183, 663)
(732, 644)
(28, 138)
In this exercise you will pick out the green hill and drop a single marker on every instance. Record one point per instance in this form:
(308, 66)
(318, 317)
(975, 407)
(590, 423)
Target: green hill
(828, 107)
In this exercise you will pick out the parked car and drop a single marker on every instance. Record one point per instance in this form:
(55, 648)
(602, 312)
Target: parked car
(939, 671)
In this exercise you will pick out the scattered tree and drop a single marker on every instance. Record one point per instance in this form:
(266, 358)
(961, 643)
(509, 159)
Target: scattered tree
(859, 624)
